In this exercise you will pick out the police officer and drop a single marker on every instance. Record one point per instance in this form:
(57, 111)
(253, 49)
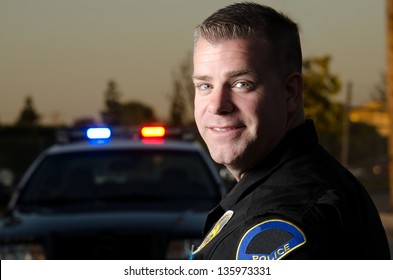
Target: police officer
(293, 200)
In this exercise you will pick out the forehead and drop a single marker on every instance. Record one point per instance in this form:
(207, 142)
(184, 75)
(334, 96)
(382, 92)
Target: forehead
(250, 45)
(251, 51)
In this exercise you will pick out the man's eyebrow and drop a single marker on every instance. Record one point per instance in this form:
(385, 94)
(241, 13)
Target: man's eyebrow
(238, 73)
(201, 77)
(230, 74)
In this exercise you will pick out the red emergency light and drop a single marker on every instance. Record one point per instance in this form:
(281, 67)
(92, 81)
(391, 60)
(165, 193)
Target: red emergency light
(153, 131)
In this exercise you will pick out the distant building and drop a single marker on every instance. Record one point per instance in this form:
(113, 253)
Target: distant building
(373, 113)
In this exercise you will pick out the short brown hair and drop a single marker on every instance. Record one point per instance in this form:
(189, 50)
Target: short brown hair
(247, 19)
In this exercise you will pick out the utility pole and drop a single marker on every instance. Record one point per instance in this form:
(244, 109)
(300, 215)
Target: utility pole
(346, 134)
(389, 46)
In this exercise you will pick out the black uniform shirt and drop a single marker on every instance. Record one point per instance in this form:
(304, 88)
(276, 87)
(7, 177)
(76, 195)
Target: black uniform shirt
(298, 203)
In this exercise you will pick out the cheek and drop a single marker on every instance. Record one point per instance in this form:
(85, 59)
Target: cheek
(273, 123)
(274, 105)
(198, 113)
(196, 108)
(255, 112)
(268, 116)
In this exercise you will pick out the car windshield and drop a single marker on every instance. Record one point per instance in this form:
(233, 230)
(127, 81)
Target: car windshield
(138, 175)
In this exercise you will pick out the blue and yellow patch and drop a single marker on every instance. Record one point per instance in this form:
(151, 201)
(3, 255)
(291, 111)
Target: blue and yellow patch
(270, 240)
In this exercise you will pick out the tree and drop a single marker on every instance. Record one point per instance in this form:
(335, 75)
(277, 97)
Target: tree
(178, 106)
(320, 86)
(112, 114)
(28, 116)
(389, 87)
(379, 92)
(371, 148)
(136, 113)
(182, 96)
(84, 122)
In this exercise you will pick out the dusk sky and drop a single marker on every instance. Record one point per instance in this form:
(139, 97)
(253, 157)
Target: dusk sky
(63, 52)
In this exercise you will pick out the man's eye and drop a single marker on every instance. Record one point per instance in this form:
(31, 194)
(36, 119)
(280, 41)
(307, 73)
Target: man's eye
(204, 86)
(243, 85)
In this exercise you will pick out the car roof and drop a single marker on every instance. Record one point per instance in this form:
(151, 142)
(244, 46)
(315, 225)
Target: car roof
(121, 144)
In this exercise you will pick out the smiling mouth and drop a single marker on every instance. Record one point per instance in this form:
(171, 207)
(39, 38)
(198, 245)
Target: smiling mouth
(224, 129)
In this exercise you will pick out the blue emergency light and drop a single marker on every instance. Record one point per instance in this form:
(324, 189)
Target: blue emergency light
(97, 133)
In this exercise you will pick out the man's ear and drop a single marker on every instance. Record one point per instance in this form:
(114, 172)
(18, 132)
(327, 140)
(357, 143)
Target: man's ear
(294, 89)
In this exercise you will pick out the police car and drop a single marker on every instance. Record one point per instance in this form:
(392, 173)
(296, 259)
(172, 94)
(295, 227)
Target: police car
(143, 197)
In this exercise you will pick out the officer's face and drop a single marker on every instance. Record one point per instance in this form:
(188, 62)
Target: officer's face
(240, 101)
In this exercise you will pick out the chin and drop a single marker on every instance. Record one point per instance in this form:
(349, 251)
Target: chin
(218, 158)
(222, 159)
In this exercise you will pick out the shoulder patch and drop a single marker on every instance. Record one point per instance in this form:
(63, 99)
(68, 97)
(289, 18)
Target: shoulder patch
(270, 240)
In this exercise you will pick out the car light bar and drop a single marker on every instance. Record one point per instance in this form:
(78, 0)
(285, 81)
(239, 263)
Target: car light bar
(98, 133)
(144, 133)
(153, 131)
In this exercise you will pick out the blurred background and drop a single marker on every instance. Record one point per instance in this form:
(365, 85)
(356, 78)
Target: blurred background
(80, 63)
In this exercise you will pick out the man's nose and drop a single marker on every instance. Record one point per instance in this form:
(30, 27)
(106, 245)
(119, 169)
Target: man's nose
(220, 102)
